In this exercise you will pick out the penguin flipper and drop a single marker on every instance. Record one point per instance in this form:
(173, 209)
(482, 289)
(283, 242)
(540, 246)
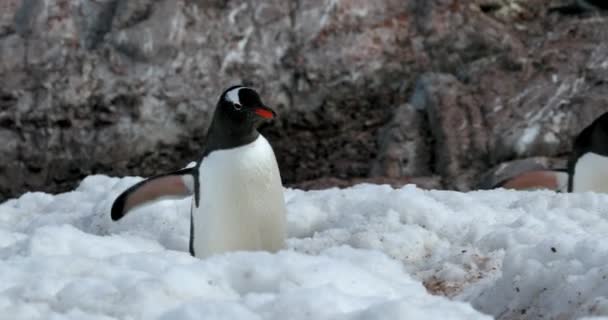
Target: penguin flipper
(178, 184)
(555, 180)
(526, 174)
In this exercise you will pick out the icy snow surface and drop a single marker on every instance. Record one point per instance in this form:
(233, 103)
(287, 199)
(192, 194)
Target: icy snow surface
(368, 252)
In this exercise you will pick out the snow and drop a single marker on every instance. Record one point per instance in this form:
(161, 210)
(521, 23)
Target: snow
(367, 252)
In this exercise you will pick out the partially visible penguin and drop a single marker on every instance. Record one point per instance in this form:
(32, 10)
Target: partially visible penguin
(586, 170)
(238, 199)
(588, 162)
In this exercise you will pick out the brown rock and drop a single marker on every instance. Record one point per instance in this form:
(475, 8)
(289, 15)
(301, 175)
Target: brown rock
(404, 149)
(456, 123)
(127, 87)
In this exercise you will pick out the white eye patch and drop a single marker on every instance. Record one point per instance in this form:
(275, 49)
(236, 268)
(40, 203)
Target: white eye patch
(233, 95)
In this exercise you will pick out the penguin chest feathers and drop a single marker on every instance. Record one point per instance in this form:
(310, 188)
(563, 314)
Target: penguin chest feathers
(591, 173)
(241, 201)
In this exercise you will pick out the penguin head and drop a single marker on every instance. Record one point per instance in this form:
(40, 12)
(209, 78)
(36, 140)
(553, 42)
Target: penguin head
(238, 115)
(242, 108)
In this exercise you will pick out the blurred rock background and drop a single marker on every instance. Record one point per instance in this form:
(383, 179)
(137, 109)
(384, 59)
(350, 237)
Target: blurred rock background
(435, 92)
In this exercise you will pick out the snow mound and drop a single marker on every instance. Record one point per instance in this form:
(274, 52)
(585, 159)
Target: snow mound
(367, 252)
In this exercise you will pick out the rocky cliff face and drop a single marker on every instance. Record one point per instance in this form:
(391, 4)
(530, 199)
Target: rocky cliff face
(390, 90)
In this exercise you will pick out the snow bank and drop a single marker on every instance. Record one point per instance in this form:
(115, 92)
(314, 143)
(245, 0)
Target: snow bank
(367, 252)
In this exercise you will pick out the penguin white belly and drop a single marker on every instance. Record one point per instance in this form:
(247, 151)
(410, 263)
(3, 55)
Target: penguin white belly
(241, 201)
(591, 173)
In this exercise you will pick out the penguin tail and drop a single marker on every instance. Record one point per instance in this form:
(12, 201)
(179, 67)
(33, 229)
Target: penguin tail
(526, 174)
(178, 184)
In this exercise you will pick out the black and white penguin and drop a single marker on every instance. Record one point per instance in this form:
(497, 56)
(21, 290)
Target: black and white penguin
(588, 161)
(587, 168)
(238, 199)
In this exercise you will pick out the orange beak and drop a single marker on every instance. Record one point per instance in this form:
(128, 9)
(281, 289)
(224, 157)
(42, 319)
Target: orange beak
(265, 112)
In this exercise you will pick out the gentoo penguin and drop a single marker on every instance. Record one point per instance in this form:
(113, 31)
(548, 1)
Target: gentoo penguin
(238, 199)
(586, 170)
(588, 161)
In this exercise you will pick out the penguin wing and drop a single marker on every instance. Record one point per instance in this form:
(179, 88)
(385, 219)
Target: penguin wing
(178, 184)
(526, 174)
(538, 179)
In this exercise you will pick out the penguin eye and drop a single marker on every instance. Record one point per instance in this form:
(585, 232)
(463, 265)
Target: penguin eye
(237, 106)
